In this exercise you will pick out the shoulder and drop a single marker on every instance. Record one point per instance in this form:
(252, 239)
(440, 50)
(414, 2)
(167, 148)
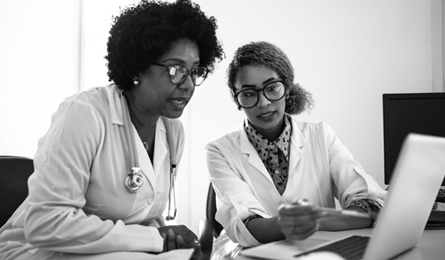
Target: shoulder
(311, 126)
(227, 139)
(92, 99)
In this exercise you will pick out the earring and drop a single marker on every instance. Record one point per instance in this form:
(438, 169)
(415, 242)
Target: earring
(135, 82)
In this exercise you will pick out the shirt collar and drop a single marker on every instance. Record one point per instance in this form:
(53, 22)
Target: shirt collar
(261, 143)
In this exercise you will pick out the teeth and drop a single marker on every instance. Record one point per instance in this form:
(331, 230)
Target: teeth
(179, 102)
(267, 115)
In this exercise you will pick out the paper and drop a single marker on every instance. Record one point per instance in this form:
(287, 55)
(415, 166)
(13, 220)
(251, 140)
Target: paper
(287, 250)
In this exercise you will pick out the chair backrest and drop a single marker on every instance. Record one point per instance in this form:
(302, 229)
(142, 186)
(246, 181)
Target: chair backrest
(14, 174)
(211, 211)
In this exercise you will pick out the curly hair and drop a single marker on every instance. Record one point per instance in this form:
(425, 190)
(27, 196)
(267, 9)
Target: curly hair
(142, 33)
(268, 55)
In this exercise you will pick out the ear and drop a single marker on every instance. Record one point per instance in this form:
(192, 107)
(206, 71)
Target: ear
(135, 80)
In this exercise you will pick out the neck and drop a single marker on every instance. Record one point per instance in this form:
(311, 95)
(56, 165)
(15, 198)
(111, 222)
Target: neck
(144, 121)
(271, 134)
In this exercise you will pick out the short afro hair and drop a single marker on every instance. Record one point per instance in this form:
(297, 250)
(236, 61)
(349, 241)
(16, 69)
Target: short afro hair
(142, 33)
(270, 56)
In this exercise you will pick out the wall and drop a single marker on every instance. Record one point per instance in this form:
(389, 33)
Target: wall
(346, 52)
(39, 66)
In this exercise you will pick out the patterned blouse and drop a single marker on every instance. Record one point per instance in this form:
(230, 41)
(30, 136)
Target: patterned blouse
(275, 156)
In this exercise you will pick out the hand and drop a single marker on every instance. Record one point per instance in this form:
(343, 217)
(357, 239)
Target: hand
(180, 236)
(298, 220)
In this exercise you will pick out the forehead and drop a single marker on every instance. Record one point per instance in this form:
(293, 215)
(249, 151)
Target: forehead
(254, 75)
(183, 51)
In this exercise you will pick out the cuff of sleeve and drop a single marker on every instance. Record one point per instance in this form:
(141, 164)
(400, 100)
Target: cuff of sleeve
(139, 238)
(247, 220)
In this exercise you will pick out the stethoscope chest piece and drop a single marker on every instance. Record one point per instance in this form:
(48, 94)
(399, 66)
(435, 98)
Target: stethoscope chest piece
(134, 180)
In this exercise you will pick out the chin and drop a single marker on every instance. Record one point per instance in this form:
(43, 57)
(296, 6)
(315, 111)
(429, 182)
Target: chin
(174, 115)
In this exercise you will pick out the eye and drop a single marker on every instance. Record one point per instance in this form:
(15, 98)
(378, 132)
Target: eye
(247, 93)
(172, 70)
(273, 87)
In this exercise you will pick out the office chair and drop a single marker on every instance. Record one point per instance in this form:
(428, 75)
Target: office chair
(14, 173)
(209, 228)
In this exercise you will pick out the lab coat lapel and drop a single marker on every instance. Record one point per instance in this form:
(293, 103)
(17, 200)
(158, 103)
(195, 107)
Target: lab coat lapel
(144, 160)
(297, 143)
(252, 156)
(161, 146)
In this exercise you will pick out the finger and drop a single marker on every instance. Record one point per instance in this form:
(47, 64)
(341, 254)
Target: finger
(292, 209)
(179, 241)
(164, 236)
(303, 202)
(196, 244)
(171, 241)
(302, 232)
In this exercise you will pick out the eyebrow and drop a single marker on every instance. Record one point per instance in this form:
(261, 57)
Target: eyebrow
(264, 83)
(180, 61)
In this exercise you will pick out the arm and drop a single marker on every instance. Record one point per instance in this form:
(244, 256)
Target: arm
(238, 199)
(355, 189)
(55, 219)
(265, 230)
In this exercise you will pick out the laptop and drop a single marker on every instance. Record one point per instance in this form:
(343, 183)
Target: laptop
(417, 177)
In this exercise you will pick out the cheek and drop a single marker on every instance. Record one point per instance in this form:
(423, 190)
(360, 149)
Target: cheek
(250, 113)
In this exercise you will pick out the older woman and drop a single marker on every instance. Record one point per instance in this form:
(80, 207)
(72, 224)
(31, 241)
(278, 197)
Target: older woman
(260, 169)
(104, 170)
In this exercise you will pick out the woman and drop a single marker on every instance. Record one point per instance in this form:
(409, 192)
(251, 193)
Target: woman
(104, 170)
(259, 170)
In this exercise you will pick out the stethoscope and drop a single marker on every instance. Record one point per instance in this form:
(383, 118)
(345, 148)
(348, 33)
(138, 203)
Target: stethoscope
(135, 179)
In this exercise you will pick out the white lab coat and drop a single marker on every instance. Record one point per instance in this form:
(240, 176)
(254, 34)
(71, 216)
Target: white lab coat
(77, 201)
(320, 168)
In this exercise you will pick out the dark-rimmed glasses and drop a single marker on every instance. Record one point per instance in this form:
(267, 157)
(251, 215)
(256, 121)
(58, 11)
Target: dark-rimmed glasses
(273, 91)
(178, 73)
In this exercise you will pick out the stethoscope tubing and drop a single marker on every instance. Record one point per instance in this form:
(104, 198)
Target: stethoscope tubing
(135, 179)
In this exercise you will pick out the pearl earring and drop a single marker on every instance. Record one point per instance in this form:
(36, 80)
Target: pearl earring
(136, 82)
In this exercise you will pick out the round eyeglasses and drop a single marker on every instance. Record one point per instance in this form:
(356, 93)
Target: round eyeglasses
(178, 74)
(248, 98)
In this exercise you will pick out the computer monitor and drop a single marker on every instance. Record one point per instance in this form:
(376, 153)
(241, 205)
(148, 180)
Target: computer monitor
(422, 113)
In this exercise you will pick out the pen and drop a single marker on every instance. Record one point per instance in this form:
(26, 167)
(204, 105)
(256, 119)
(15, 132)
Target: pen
(349, 213)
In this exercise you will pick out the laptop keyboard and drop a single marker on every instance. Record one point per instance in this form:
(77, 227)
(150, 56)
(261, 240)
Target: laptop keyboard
(350, 248)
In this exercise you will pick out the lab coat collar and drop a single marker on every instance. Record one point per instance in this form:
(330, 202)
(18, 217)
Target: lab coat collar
(116, 100)
(297, 143)
(149, 168)
(248, 149)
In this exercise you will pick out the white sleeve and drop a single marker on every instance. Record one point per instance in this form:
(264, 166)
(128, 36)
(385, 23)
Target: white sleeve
(237, 201)
(350, 179)
(54, 218)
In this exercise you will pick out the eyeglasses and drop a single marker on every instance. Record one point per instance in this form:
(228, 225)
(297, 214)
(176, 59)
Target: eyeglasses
(178, 73)
(273, 91)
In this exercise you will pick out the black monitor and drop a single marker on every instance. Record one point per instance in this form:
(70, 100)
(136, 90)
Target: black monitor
(422, 113)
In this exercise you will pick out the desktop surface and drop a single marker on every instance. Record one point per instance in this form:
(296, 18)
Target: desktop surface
(430, 247)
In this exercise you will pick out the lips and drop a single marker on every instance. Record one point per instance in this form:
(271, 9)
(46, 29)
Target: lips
(180, 102)
(266, 115)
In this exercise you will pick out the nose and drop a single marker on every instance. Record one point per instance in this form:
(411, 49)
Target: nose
(187, 84)
(262, 100)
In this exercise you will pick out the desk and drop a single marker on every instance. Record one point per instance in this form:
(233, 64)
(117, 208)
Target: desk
(430, 247)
